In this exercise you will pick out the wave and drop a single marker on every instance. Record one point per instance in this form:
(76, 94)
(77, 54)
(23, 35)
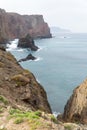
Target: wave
(38, 80)
(41, 48)
(20, 50)
(56, 113)
(38, 59)
(12, 45)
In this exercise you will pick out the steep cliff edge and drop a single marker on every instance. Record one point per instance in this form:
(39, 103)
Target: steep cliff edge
(13, 25)
(76, 107)
(19, 86)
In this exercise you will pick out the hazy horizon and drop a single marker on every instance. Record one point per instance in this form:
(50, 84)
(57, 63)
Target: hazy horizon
(66, 14)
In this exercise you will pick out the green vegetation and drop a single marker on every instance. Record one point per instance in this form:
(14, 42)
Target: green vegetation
(3, 100)
(3, 129)
(30, 116)
(18, 120)
(1, 109)
(34, 118)
(34, 124)
(53, 118)
(68, 127)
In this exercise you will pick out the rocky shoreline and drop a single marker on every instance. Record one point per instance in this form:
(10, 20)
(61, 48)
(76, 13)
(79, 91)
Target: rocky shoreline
(22, 98)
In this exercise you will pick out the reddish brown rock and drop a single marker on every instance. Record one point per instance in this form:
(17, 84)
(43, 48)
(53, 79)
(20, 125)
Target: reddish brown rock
(13, 25)
(76, 107)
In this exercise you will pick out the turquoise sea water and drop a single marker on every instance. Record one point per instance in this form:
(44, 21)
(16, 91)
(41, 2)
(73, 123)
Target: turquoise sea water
(61, 65)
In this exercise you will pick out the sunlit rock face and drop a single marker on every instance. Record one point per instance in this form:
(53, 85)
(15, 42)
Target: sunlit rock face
(76, 107)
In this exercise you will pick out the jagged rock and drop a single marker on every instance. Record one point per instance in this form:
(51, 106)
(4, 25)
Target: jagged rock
(2, 48)
(29, 57)
(76, 107)
(13, 25)
(27, 42)
(19, 86)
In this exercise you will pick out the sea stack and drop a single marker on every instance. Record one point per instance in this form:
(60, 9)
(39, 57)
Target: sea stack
(27, 42)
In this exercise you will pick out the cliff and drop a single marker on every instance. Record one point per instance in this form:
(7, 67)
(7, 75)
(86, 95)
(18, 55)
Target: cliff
(23, 100)
(19, 86)
(76, 107)
(13, 25)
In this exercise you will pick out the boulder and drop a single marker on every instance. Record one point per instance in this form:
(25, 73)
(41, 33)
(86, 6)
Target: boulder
(27, 42)
(76, 107)
(29, 57)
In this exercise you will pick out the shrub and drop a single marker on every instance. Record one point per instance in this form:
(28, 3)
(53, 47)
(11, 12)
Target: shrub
(54, 119)
(68, 127)
(3, 99)
(18, 120)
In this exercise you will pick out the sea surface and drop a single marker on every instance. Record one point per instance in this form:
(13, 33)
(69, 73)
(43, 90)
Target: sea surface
(61, 65)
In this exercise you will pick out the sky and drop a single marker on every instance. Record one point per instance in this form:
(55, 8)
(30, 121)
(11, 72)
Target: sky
(66, 14)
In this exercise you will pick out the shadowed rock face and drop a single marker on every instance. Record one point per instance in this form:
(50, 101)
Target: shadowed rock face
(29, 57)
(13, 25)
(76, 107)
(27, 42)
(19, 86)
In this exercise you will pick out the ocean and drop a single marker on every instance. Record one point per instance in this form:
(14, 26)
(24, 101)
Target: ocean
(61, 65)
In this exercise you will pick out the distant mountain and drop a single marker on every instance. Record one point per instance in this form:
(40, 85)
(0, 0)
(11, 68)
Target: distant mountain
(59, 30)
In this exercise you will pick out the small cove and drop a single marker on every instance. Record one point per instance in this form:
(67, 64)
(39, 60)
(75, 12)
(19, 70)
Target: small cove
(61, 65)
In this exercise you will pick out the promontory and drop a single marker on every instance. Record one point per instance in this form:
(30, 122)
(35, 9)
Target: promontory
(13, 25)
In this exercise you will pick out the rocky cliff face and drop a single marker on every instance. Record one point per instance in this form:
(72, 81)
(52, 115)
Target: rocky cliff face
(19, 86)
(13, 25)
(76, 107)
(27, 42)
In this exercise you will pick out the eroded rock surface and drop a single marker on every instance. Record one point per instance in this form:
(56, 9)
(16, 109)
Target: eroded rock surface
(76, 107)
(19, 86)
(13, 25)
(27, 42)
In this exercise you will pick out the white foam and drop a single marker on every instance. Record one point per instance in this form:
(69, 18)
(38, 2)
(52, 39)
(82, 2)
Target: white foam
(20, 50)
(38, 81)
(56, 113)
(12, 45)
(40, 48)
(38, 59)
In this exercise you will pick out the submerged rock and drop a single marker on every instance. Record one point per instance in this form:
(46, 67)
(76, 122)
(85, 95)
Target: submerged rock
(27, 42)
(76, 107)
(29, 57)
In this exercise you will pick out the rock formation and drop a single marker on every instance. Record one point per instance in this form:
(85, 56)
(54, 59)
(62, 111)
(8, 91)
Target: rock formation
(13, 25)
(27, 42)
(29, 57)
(76, 107)
(19, 86)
